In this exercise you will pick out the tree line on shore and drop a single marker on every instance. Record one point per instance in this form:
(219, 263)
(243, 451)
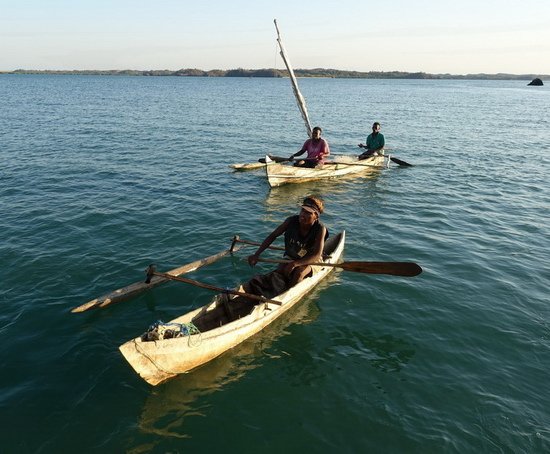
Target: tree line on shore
(271, 72)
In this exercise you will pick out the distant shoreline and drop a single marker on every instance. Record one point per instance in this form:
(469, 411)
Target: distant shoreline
(317, 72)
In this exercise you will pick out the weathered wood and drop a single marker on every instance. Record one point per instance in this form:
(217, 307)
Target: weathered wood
(299, 98)
(136, 288)
(353, 163)
(278, 174)
(247, 166)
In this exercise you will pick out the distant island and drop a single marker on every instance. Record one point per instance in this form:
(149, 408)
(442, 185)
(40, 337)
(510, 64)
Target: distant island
(270, 72)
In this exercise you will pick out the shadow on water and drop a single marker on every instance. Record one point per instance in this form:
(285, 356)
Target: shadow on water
(169, 408)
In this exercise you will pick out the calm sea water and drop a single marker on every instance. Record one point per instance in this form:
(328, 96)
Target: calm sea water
(101, 176)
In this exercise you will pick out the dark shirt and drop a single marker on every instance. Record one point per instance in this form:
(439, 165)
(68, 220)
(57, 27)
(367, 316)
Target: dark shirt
(296, 245)
(375, 141)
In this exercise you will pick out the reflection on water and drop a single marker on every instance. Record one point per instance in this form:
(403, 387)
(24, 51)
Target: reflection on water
(287, 197)
(169, 406)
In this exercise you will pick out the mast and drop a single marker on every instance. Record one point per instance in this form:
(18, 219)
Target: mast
(299, 98)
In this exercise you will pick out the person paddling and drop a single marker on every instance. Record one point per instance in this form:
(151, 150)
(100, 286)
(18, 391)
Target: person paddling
(317, 150)
(305, 239)
(375, 142)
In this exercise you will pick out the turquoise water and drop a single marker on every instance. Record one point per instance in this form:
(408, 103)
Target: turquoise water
(101, 176)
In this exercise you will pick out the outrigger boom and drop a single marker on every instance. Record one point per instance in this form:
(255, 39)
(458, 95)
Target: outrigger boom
(136, 288)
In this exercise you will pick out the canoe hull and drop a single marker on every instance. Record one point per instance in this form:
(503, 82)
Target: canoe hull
(279, 174)
(157, 361)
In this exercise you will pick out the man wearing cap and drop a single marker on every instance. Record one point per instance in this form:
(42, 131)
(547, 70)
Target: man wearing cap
(375, 142)
(305, 239)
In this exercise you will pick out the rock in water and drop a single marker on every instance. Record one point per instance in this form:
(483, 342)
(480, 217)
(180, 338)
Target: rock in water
(536, 81)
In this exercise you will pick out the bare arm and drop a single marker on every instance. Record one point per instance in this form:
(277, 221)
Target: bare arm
(253, 259)
(326, 150)
(301, 151)
(298, 153)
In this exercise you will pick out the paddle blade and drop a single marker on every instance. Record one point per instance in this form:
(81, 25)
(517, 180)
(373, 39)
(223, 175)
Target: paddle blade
(400, 162)
(407, 269)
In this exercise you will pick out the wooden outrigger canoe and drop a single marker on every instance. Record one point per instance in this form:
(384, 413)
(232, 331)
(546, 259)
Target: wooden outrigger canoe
(217, 327)
(136, 288)
(278, 174)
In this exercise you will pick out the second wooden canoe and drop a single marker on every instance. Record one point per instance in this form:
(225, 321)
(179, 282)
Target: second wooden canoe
(279, 174)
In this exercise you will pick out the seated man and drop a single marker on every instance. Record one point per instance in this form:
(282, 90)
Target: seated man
(317, 150)
(375, 142)
(304, 243)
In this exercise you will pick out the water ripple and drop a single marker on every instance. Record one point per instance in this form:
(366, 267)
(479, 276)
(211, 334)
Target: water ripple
(103, 175)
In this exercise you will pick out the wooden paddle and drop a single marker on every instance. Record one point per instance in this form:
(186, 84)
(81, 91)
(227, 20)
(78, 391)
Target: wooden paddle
(407, 269)
(400, 162)
(275, 159)
(151, 272)
(397, 161)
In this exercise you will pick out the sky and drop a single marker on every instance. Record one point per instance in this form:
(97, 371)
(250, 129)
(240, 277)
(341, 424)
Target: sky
(432, 36)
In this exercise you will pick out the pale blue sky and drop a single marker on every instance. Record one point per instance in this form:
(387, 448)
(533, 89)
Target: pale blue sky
(435, 36)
